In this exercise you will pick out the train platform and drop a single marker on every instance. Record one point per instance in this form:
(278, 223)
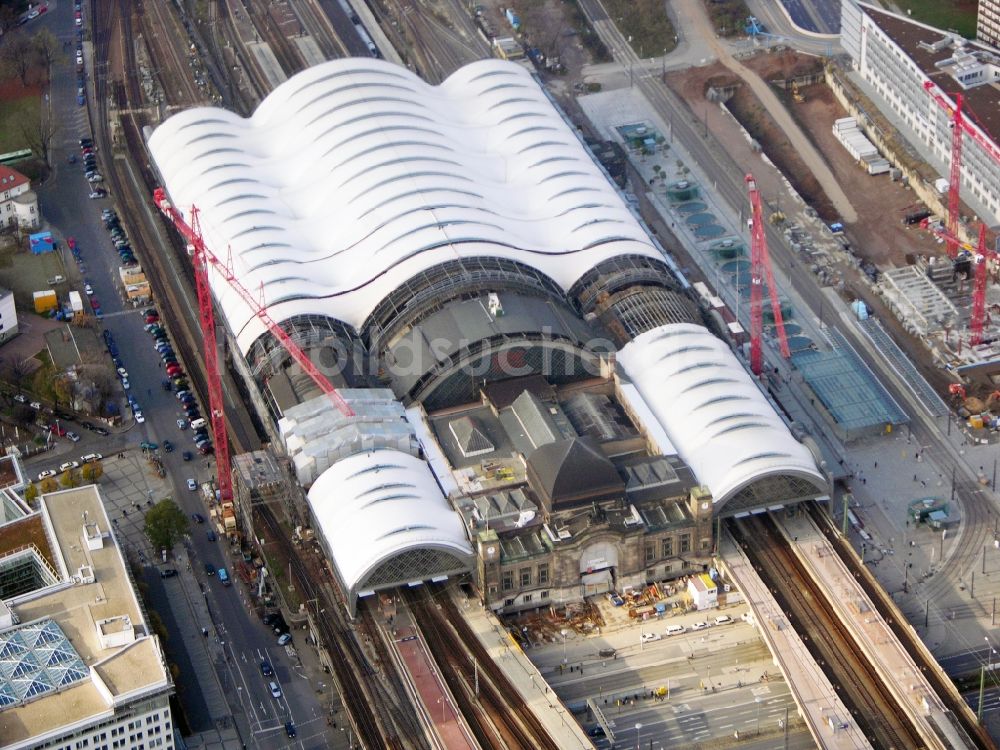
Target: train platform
(525, 677)
(828, 719)
(439, 712)
(874, 636)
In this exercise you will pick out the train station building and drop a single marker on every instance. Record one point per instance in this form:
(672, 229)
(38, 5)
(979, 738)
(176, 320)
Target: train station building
(537, 401)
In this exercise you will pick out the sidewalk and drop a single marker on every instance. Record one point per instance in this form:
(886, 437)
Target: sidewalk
(557, 720)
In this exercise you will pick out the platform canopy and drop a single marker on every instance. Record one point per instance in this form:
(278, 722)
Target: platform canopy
(718, 419)
(384, 522)
(355, 176)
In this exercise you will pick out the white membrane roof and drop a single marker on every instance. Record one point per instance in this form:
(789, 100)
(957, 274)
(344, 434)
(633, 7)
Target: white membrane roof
(375, 505)
(712, 411)
(355, 175)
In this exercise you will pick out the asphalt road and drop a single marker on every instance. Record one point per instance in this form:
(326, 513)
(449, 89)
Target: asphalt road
(65, 205)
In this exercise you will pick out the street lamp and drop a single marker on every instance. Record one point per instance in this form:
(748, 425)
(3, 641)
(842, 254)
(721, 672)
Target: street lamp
(757, 700)
(638, 736)
(564, 634)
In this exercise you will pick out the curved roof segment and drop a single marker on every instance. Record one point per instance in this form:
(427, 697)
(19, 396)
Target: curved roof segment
(374, 506)
(355, 175)
(712, 411)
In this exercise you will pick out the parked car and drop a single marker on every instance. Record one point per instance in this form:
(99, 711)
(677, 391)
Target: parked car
(148, 446)
(284, 639)
(99, 193)
(168, 446)
(91, 457)
(57, 429)
(35, 405)
(182, 424)
(187, 455)
(723, 620)
(88, 289)
(73, 436)
(69, 465)
(192, 485)
(21, 398)
(168, 573)
(650, 637)
(46, 474)
(206, 450)
(102, 431)
(700, 625)
(676, 629)
(139, 417)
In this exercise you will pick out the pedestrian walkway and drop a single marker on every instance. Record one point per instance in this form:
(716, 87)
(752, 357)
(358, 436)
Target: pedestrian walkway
(525, 677)
(828, 719)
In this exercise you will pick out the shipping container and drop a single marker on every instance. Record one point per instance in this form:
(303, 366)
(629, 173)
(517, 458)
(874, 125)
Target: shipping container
(45, 301)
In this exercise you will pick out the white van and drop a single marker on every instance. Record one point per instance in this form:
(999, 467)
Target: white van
(200, 422)
(723, 620)
(675, 629)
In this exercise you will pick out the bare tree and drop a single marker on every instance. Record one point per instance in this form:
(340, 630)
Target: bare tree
(19, 54)
(18, 370)
(8, 18)
(48, 48)
(38, 134)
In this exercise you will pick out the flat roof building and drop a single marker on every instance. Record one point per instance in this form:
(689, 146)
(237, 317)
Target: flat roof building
(79, 664)
(896, 56)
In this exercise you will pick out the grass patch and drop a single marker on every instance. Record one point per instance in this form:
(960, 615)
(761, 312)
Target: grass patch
(954, 15)
(13, 111)
(645, 24)
(728, 17)
(25, 273)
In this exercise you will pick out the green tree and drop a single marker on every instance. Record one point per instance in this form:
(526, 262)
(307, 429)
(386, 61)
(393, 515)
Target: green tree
(165, 524)
(92, 471)
(30, 492)
(68, 479)
(49, 485)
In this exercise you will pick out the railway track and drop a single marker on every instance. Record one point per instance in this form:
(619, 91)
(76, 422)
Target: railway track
(960, 713)
(350, 667)
(862, 689)
(498, 717)
(167, 40)
(285, 52)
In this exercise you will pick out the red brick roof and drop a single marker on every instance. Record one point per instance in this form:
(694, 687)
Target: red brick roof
(11, 178)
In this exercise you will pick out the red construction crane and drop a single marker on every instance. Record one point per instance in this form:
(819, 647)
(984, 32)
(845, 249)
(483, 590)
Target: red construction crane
(978, 320)
(962, 126)
(760, 268)
(203, 257)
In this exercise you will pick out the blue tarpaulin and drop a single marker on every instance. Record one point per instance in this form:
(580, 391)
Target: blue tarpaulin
(41, 242)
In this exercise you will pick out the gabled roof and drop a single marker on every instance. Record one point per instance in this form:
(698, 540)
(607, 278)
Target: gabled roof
(573, 470)
(470, 438)
(11, 178)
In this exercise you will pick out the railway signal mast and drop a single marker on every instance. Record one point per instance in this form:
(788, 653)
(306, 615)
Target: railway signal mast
(202, 258)
(760, 269)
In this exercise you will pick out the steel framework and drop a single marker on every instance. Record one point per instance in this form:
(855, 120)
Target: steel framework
(760, 269)
(203, 257)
